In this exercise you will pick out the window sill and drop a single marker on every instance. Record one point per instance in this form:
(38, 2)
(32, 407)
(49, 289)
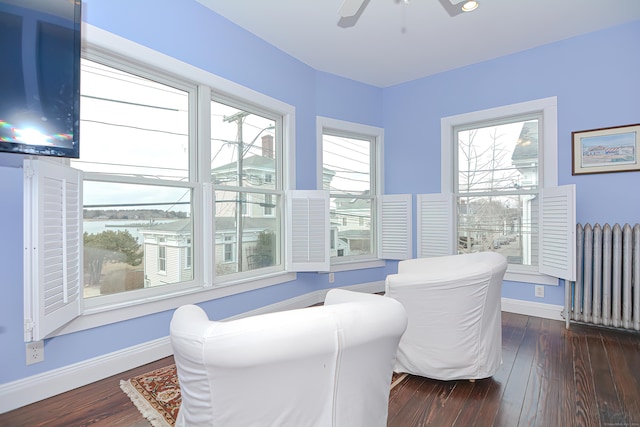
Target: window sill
(117, 312)
(514, 275)
(356, 265)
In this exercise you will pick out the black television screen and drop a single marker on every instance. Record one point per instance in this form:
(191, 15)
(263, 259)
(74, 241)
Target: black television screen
(40, 83)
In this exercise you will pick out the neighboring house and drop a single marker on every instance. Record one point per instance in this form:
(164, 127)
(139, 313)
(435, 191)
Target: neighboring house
(168, 253)
(168, 246)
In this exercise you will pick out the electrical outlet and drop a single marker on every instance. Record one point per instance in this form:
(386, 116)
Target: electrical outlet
(540, 291)
(35, 352)
(332, 278)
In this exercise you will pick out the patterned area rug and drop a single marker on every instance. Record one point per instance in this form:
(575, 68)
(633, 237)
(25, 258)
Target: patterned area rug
(156, 394)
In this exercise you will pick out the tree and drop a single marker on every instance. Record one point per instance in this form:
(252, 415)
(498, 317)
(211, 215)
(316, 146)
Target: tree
(484, 171)
(109, 245)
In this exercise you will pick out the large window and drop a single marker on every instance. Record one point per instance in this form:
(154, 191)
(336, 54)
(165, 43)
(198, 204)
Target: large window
(246, 175)
(497, 187)
(350, 172)
(138, 187)
(496, 163)
(182, 188)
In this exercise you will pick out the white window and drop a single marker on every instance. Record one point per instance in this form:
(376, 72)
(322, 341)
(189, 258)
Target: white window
(496, 164)
(350, 169)
(153, 148)
(246, 142)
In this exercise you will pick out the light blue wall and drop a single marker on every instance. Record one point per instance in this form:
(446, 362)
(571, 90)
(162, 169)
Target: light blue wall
(589, 96)
(192, 34)
(595, 79)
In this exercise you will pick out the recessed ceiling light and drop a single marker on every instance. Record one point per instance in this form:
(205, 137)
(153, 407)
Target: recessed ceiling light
(470, 5)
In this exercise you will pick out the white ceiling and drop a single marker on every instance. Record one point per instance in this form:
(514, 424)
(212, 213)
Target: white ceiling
(392, 42)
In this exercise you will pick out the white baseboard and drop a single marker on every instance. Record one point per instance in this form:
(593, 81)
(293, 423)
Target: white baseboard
(32, 389)
(530, 308)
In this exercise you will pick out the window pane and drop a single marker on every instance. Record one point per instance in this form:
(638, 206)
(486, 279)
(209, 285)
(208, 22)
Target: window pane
(347, 165)
(506, 224)
(131, 125)
(346, 174)
(501, 157)
(243, 148)
(351, 222)
(246, 239)
(135, 236)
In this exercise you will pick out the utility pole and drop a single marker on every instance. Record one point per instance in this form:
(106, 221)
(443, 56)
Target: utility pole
(239, 119)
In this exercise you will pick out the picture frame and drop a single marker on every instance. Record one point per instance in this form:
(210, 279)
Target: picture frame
(605, 150)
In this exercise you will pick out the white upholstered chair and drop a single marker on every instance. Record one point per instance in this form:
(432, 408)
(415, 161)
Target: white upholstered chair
(322, 366)
(455, 324)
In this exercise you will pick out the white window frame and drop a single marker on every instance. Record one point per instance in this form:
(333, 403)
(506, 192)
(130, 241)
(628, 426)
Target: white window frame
(391, 218)
(548, 154)
(115, 308)
(357, 130)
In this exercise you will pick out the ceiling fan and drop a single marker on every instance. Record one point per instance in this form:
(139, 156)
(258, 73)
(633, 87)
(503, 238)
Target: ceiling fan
(350, 8)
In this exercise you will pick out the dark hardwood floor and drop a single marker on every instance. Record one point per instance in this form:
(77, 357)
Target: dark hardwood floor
(585, 376)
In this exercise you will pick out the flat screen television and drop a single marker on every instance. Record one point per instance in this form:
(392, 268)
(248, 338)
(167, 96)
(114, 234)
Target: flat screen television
(40, 77)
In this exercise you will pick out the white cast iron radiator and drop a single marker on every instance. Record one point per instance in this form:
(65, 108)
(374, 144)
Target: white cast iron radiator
(607, 287)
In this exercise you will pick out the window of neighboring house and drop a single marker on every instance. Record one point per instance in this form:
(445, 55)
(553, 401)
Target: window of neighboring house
(245, 142)
(162, 255)
(499, 161)
(228, 249)
(350, 155)
(268, 205)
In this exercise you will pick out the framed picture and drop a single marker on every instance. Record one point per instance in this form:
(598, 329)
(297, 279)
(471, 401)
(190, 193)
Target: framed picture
(613, 149)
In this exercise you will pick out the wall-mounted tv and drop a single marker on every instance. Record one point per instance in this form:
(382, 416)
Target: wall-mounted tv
(40, 83)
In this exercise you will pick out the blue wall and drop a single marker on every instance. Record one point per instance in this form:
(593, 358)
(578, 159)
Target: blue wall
(594, 77)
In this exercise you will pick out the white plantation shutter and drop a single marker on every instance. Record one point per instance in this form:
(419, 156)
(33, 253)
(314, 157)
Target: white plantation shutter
(395, 226)
(308, 236)
(558, 232)
(436, 224)
(53, 247)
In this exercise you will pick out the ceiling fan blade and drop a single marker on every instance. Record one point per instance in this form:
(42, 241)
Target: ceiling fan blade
(452, 9)
(350, 7)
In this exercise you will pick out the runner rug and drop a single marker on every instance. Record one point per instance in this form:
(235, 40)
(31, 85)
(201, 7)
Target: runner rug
(156, 394)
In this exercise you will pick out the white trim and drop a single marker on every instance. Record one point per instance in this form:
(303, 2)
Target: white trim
(530, 277)
(42, 386)
(104, 311)
(549, 108)
(549, 153)
(32, 389)
(530, 308)
(156, 304)
(357, 265)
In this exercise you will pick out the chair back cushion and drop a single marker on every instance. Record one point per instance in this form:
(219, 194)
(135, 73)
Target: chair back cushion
(291, 368)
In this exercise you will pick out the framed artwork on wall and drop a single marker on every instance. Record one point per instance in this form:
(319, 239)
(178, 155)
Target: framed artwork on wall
(613, 149)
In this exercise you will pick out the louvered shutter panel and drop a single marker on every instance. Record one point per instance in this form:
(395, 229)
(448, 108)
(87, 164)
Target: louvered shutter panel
(53, 247)
(558, 232)
(308, 237)
(436, 224)
(395, 237)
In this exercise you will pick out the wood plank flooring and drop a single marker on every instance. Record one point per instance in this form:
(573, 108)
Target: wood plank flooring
(585, 376)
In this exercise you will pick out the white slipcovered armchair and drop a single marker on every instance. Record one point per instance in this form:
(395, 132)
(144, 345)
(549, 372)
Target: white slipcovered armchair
(455, 323)
(322, 366)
